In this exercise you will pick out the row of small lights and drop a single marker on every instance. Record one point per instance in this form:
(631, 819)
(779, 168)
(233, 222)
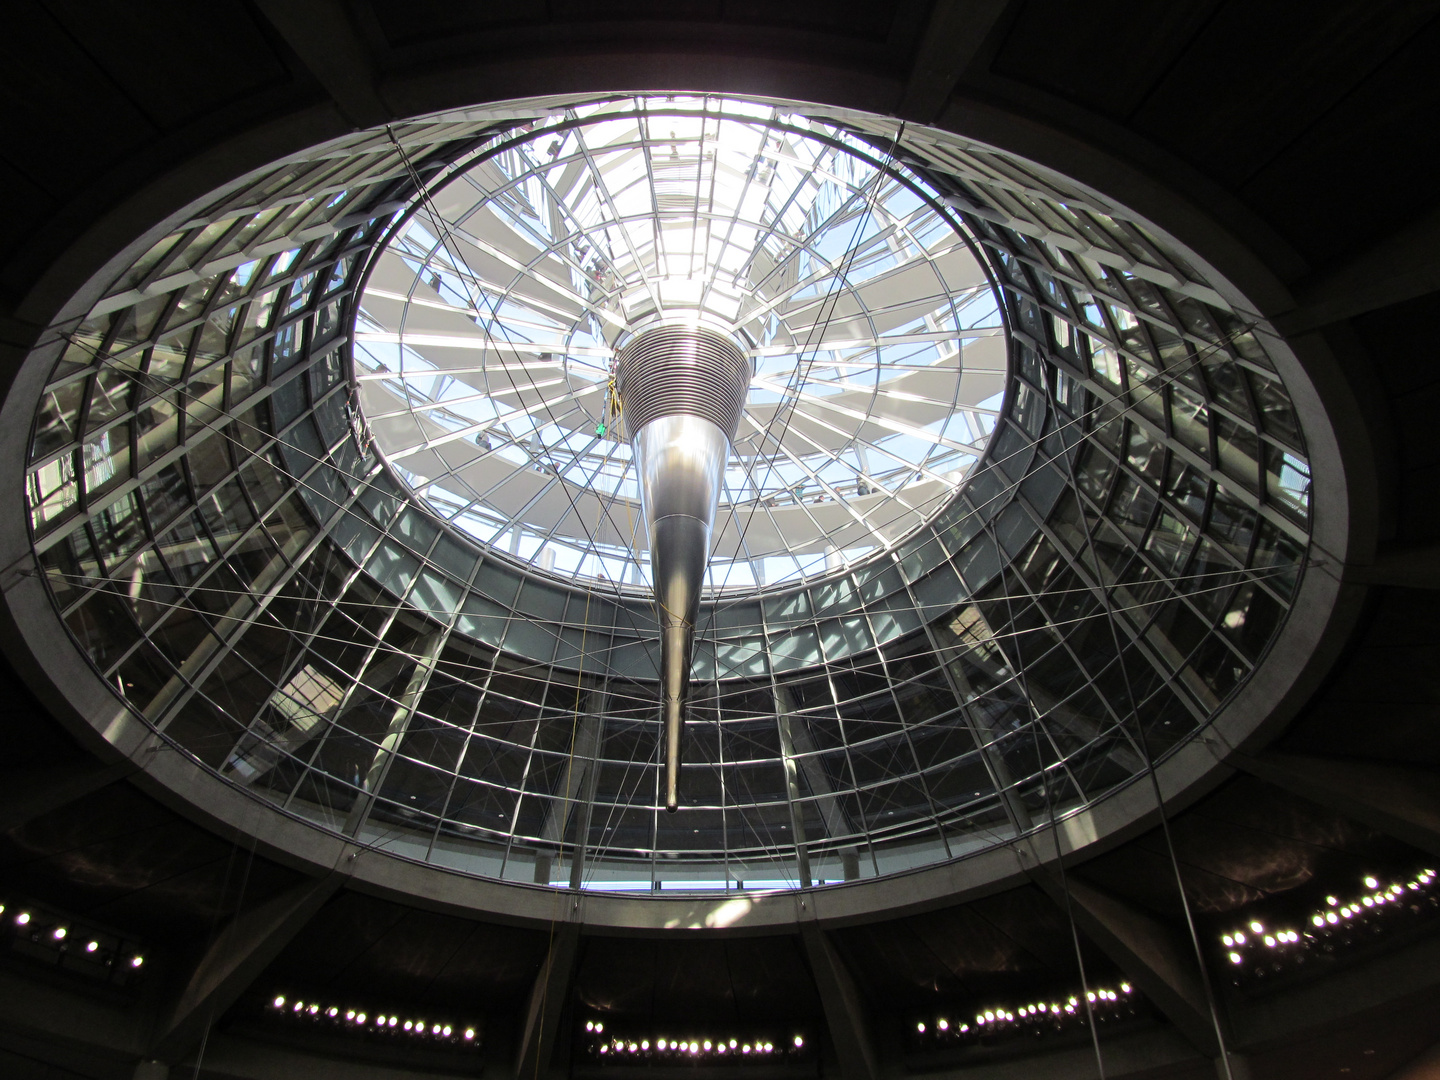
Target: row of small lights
(621, 1048)
(1378, 897)
(1024, 1016)
(387, 1022)
(57, 935)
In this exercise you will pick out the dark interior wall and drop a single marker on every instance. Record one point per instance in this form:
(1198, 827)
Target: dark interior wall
(1305, 130)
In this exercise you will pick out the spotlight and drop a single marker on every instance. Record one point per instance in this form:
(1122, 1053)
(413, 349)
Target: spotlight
(1371, 883)
(443, 1031)
(136, 961)
(22, 919)
(279, 1001)
(470, 1034)
(58, 933)
(799, 1042)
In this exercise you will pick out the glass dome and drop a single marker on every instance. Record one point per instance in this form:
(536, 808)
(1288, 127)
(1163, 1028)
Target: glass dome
(267, 595)
(488, 329)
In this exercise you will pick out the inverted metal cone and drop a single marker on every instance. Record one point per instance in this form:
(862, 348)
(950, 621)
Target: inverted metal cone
(681, 392)
(681, 459)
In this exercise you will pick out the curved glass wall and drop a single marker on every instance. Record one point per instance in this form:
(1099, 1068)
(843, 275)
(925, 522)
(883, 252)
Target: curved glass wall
(249, 576)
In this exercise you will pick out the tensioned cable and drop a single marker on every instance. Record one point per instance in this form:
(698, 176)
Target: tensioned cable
(1149, 761)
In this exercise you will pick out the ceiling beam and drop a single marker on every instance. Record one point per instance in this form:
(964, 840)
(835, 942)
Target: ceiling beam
(1415, 566)
(243, 949)
(1145, 949)
(953, 37)
(548, 998)
(1404, 265)
(26, 794)
(845, 1015)
(328, 43)
(1399, 800)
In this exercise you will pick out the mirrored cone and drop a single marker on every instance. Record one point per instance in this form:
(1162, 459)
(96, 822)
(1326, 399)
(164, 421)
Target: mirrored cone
(681, 392)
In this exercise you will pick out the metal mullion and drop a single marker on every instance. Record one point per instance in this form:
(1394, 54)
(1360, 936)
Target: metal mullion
(1063, 641)
(862, 828)
(225, 639)
(470, 732)
(905, 726)
(477, 429)
(188, 591)
(183, 447)
(1135, 636)
(1018, 815)
(522, 789)
(1234, 487)
(1022, 681)
(779, 707)
(603, 192)
(355, 681)
(1247, 573)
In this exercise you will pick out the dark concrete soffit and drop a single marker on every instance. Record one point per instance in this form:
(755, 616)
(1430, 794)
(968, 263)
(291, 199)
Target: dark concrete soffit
(1404, 265)
(26, 794)
(952, 41)
(1400, 801)
(328, 43)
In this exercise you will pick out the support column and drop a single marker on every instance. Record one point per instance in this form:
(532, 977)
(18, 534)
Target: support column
(242, 950)
(429, 654)
(792, 792)
(1149, 953)
(845, 1013)
(548, 998)
(831, 812)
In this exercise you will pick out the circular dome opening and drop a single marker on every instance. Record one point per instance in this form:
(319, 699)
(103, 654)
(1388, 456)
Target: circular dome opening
(489, 325)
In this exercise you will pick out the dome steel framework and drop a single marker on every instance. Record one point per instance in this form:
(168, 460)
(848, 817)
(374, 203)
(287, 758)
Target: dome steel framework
(257, 584)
